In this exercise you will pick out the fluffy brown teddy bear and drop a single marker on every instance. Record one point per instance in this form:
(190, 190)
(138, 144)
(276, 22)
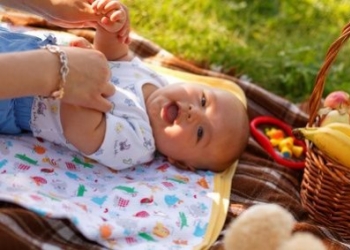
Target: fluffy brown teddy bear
(268, 227)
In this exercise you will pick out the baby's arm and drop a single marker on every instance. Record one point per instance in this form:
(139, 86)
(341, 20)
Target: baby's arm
(85, 128)
(112, 31)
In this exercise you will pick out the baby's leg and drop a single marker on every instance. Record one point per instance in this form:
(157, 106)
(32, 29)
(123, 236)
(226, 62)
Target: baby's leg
(84, 128)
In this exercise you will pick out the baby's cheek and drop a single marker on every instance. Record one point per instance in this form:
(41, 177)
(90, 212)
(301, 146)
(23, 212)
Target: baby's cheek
(175, 132)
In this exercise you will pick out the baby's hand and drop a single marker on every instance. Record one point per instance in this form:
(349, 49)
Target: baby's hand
(114, 18)
(81, 43)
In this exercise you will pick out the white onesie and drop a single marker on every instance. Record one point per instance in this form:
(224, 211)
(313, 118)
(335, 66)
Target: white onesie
(128, 140)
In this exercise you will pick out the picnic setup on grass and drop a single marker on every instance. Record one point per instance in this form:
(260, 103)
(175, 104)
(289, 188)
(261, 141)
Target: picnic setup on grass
(289, 190)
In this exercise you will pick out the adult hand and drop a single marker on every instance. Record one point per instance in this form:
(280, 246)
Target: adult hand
(81, 14)
(64, 13)
(70, 13)
(87, 83)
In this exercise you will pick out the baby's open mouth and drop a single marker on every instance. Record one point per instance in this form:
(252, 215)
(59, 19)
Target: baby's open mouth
(171, 112)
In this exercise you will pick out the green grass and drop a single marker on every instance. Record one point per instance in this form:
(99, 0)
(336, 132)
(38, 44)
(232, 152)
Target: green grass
(279, 45)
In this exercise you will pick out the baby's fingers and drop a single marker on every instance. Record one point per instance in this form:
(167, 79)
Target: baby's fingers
(117, 16)
(112, 6)
(106, 21)
(98, 6)
(123, 35)
(125, 30)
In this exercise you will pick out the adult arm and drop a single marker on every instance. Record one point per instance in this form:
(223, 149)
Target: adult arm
(87, 82)
(64, 13)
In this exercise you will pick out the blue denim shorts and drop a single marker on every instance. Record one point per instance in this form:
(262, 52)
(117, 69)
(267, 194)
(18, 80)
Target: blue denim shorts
(15, 114)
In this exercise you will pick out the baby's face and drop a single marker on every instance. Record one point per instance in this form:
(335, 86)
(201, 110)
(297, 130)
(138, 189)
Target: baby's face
(194, 125)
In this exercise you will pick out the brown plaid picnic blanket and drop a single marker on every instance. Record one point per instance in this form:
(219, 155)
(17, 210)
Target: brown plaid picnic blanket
(258, 178)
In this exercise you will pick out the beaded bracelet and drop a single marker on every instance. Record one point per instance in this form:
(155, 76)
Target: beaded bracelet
(58, 94)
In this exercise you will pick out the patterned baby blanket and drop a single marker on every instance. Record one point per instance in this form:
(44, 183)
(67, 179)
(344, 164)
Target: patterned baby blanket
(150, 206)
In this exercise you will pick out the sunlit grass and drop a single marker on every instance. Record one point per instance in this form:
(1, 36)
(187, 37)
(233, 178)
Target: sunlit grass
(278, 44)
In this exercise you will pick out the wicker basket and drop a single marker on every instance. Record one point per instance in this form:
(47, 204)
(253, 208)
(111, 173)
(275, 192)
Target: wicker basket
(325, 188)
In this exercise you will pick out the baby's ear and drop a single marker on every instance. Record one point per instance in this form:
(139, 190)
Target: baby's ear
(181, 165)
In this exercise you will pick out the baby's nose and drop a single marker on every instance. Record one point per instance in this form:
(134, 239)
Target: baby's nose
(193, 113)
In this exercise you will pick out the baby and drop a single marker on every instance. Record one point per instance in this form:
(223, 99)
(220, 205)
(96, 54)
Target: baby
(194, 125)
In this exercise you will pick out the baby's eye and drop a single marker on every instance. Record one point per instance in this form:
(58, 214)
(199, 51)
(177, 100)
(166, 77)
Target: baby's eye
(200, 133)
(203, 100)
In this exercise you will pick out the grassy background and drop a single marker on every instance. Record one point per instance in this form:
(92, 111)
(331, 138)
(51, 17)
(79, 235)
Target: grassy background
(279, 45)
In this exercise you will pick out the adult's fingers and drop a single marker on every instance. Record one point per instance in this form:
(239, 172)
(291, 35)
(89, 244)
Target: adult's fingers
(102, 104)
(108, 90)
(73, 15)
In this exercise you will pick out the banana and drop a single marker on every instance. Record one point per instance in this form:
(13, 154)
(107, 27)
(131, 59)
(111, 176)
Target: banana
(342, 127)
(331, 141)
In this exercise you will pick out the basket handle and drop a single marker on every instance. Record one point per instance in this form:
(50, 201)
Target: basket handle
(316, 95)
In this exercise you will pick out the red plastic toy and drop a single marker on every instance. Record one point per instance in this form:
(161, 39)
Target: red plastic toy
(276, 137)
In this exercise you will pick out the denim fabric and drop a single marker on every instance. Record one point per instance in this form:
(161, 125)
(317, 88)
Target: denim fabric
(15, 113)
(11, 41)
